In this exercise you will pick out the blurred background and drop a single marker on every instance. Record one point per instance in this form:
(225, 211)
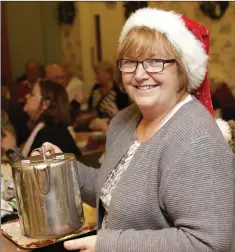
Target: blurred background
(79, 34)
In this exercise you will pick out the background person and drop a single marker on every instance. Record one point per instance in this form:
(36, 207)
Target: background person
(106, 97)
(32, 74)
(48, 106)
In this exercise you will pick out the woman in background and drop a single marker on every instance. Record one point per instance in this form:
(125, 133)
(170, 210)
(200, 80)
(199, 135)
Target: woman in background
(106, 98)
(48, 108)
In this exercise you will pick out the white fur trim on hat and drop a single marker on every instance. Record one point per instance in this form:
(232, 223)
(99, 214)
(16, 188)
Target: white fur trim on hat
(172, 25)
(225, 129)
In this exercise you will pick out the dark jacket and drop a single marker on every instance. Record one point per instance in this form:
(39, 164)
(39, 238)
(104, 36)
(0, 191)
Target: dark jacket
(56, 134)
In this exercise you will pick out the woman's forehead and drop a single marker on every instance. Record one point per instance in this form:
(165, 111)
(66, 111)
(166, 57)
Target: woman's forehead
(141, 54)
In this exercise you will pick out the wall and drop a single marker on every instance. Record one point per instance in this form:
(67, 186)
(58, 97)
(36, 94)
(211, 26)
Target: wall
(33, 32)
(78, 40)
(82, 36)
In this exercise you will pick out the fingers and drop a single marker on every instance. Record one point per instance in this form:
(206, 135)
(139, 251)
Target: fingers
(77, 244)
(48, 146)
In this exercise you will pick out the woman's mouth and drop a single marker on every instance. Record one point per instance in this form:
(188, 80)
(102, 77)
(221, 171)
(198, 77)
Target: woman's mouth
(148, 87)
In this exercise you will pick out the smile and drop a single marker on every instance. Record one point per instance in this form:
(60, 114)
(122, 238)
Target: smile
(146, 87)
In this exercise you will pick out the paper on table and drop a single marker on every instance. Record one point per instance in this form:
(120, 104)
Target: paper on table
(5, 205)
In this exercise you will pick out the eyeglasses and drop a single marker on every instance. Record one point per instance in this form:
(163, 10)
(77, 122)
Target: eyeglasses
(149, 65)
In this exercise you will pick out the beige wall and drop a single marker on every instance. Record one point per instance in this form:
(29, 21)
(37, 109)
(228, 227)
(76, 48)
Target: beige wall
(33, 32)
(82, 36)
(78, 41)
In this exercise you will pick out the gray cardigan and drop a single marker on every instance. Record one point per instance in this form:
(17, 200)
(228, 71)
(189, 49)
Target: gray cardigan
(177, 193)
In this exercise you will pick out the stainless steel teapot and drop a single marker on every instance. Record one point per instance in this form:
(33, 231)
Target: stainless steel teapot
(48, 195)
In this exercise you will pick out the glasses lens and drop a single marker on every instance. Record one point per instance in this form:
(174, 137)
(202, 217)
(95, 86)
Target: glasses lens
(153, 65)
(127, 65)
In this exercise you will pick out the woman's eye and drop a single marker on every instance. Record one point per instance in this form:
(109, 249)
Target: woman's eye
(154, 62)
(127, 62)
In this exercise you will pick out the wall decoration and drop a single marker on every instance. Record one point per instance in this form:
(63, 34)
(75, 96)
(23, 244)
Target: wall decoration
(66, 12)
(214, 10)
(132, 6)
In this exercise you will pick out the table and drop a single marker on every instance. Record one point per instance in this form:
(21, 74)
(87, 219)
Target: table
(88, 146)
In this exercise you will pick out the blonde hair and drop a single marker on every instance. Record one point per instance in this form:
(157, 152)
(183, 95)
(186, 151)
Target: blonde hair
(105, 66)
(142, 41)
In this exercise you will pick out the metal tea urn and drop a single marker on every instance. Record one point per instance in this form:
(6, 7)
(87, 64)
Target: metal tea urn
(48, 195)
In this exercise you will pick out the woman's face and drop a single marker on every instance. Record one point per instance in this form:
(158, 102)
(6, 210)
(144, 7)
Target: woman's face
(33, 102)
(153, 91)
(102, 77)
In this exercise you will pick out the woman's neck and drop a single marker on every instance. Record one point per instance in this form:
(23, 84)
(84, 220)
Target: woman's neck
(151, 122)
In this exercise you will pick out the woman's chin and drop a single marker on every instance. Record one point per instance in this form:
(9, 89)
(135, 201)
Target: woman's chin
(146, 103)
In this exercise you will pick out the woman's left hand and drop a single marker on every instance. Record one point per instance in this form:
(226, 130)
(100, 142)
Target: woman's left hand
(86, 244)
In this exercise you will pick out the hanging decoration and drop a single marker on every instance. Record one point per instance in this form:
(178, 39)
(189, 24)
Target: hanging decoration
(132, 6)
(66, 12)
(214, 10)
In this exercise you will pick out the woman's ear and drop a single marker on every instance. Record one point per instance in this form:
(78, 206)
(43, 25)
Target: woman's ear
(45, 105)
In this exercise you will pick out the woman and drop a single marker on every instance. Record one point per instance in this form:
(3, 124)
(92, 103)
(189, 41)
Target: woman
(167, 179)
(104, 95)
(48, 107)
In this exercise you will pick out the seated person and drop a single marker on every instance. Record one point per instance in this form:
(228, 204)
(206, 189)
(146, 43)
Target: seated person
(104, 93)
(15, 114)
(102, 124)
(64, 77)
(48, 106)
(73, 84)
(33, 74)
(224, 100)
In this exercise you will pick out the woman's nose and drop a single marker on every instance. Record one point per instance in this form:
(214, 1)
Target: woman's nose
(140, 72)
(27, 96)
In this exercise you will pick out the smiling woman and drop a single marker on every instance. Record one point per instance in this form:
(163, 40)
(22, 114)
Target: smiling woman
(162, 171)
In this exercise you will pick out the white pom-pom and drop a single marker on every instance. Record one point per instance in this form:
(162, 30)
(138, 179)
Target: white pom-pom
(225, 129)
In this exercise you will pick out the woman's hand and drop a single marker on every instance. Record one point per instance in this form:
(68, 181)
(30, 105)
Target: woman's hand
(86, 244)
(99, 124)
(9, 141)
(46, 147)
(112, 109)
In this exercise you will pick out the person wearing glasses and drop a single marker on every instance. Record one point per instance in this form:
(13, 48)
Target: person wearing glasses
(48, 108)
(104, 101)
(167, 179)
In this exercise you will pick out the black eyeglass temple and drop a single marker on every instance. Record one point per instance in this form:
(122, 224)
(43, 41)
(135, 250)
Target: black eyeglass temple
(169, 61)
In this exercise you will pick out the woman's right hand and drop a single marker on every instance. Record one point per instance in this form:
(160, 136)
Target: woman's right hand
(47, 147)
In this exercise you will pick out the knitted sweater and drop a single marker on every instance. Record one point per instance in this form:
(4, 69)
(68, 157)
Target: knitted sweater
(178, 191)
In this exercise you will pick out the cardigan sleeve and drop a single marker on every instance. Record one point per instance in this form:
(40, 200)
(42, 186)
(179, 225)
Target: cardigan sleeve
(87, 179)
(198, 198)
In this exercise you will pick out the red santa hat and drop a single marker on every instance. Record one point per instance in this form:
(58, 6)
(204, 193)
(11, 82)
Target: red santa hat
(189, 38)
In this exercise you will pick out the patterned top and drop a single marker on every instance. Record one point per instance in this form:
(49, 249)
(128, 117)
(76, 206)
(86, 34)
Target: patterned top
(100, 102)
(115, 175)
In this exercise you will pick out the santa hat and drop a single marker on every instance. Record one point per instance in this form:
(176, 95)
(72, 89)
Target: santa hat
(189, 38)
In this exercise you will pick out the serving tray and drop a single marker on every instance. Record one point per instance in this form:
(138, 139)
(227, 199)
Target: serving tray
(12, 231)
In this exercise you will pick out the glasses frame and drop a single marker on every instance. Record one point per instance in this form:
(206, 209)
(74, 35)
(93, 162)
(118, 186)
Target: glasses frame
(164, 61)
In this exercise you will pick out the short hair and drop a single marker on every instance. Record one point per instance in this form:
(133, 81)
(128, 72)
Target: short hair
(105, 66)
(58, 110)
(142, 41)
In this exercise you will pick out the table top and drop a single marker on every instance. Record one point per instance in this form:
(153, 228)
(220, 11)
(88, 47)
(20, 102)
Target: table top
(87, 144)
